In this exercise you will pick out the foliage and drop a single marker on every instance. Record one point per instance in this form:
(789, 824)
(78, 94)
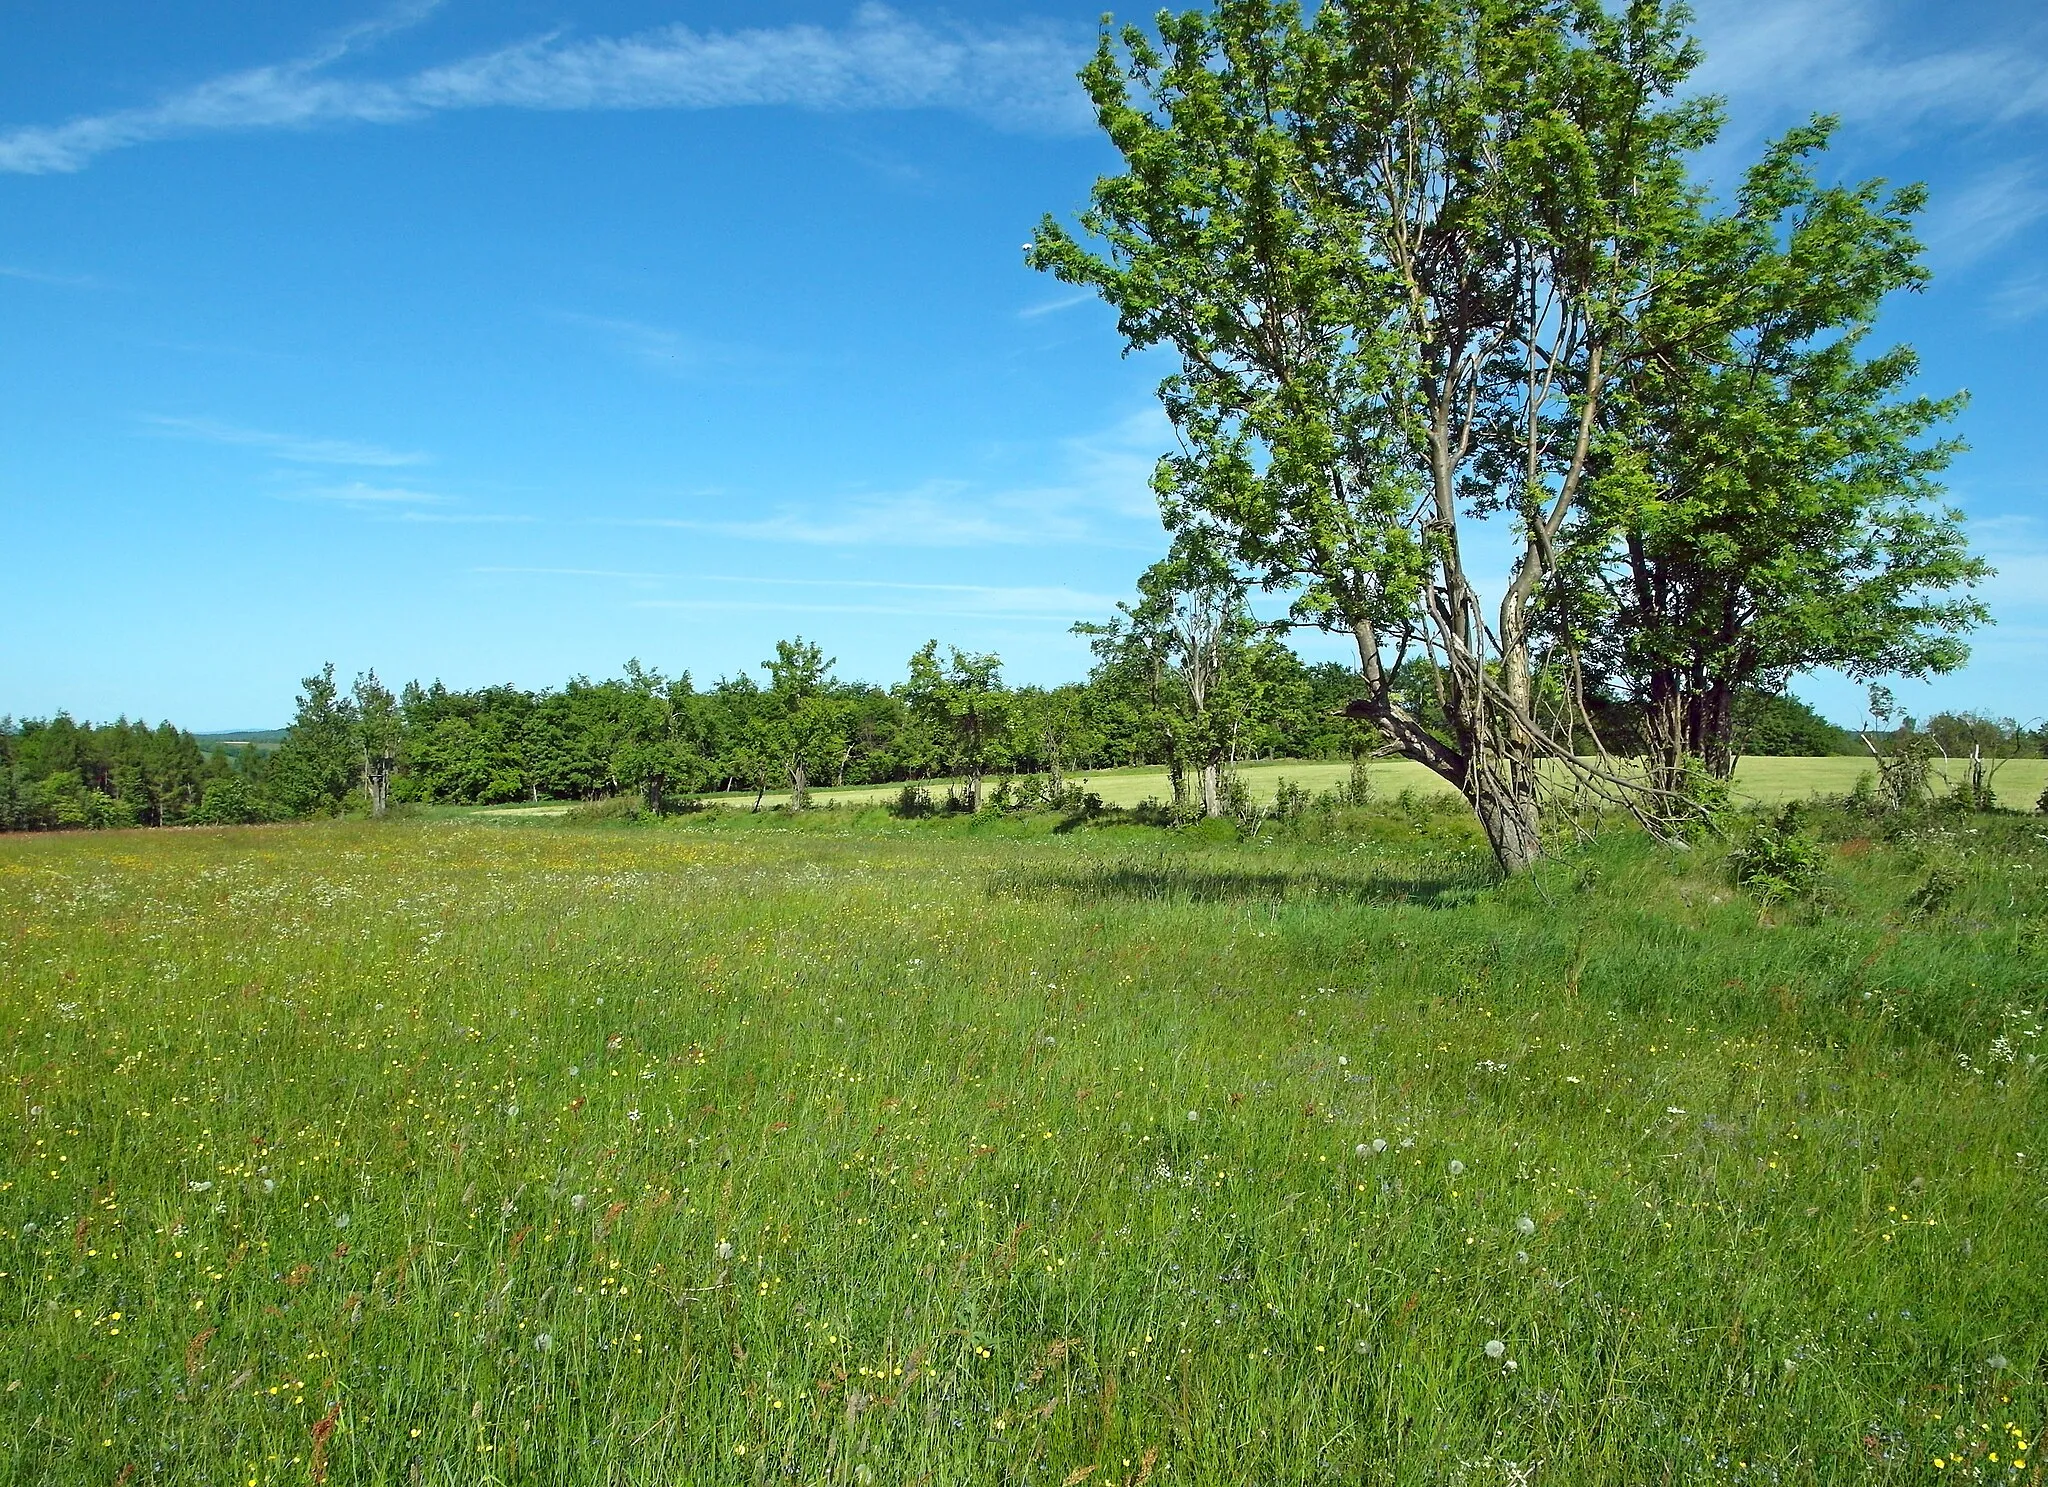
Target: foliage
(57, 773)
(1772, 490)
(1779, 860)
(1392, 248)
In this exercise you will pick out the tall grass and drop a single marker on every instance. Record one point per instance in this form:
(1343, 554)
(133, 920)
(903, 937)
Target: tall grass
(847, 1150)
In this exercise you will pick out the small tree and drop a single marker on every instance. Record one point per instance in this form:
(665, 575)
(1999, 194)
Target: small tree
(1192, 639)
(963, 704)
(319, 760)
(379, 730)
(802, 725)
(657, 754)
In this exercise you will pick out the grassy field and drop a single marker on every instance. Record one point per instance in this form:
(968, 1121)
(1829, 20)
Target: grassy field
(744, 1149)
(1758, 781)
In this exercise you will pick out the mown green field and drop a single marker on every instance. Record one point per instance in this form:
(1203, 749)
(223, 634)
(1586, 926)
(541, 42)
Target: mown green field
(2018, 783)
(840, 1150)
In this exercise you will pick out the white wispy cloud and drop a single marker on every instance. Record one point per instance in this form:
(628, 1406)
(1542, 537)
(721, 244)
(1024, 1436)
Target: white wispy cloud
(1018, 76)
(1856, 58)
(1055, 305)
(38, 276)
(1983, 216)
(1102, 489)
(953, 598)
(2022, 298)
(357, 493)
(291, 447)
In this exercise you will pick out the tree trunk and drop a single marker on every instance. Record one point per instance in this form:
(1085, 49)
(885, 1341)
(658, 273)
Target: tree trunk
(1664, 734)
(974, 791)
(1509, 815)
(1210, 776)
(1178, 776)
(799, 786)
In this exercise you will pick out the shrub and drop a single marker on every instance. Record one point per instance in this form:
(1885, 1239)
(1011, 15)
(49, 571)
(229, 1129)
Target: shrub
(1778, 861)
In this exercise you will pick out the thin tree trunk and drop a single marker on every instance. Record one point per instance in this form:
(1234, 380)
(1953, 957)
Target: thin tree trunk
(1210, 776)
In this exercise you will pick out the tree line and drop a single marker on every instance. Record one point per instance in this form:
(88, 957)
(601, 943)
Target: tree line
(1196, 696)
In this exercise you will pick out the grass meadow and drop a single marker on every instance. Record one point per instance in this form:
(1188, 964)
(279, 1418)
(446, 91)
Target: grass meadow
(2018, 783)
(836, 1149)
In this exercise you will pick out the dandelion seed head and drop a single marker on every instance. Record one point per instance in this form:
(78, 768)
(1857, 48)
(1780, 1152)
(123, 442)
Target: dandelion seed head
(724, 1249)
(1496, 1349)
(1457, 1168)
(1525, 1225)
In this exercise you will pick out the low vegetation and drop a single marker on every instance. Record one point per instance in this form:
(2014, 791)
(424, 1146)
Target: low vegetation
(841, 1148)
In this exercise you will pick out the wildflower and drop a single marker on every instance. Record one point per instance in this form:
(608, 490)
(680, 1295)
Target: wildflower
(542, 1341)
(633, 1115)
(1496, 1349)
(1343, 1062)
(1457, 1168)
(1525, 1225)
(577, 1202)
(725, 1249)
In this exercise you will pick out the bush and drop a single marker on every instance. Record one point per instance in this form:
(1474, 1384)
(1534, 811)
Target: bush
(913, 801)
(229, 802)
(1778, 861)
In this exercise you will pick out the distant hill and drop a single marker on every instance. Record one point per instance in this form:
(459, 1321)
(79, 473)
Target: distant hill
(263, 739)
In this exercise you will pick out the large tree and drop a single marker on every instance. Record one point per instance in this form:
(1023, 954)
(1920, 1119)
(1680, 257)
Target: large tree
(1772, 490)
(1391, 247)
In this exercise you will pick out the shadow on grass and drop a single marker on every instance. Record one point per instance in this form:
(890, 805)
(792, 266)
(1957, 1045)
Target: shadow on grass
(1450, 887)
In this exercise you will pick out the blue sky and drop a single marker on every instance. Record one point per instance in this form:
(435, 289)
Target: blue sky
(500, 342)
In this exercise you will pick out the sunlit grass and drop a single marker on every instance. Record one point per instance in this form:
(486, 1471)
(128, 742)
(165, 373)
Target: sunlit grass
(843, 1150)
(2017, 783)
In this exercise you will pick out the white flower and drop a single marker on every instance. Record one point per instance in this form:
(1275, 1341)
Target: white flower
(1457, 1168)
(577, 1202)
(198, 1187)
(1496, 1350)
(543, 1341)
(633, 1115)
(725, 1249)
(269, 1184)
(1343, 1062)
(1525, 1225)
